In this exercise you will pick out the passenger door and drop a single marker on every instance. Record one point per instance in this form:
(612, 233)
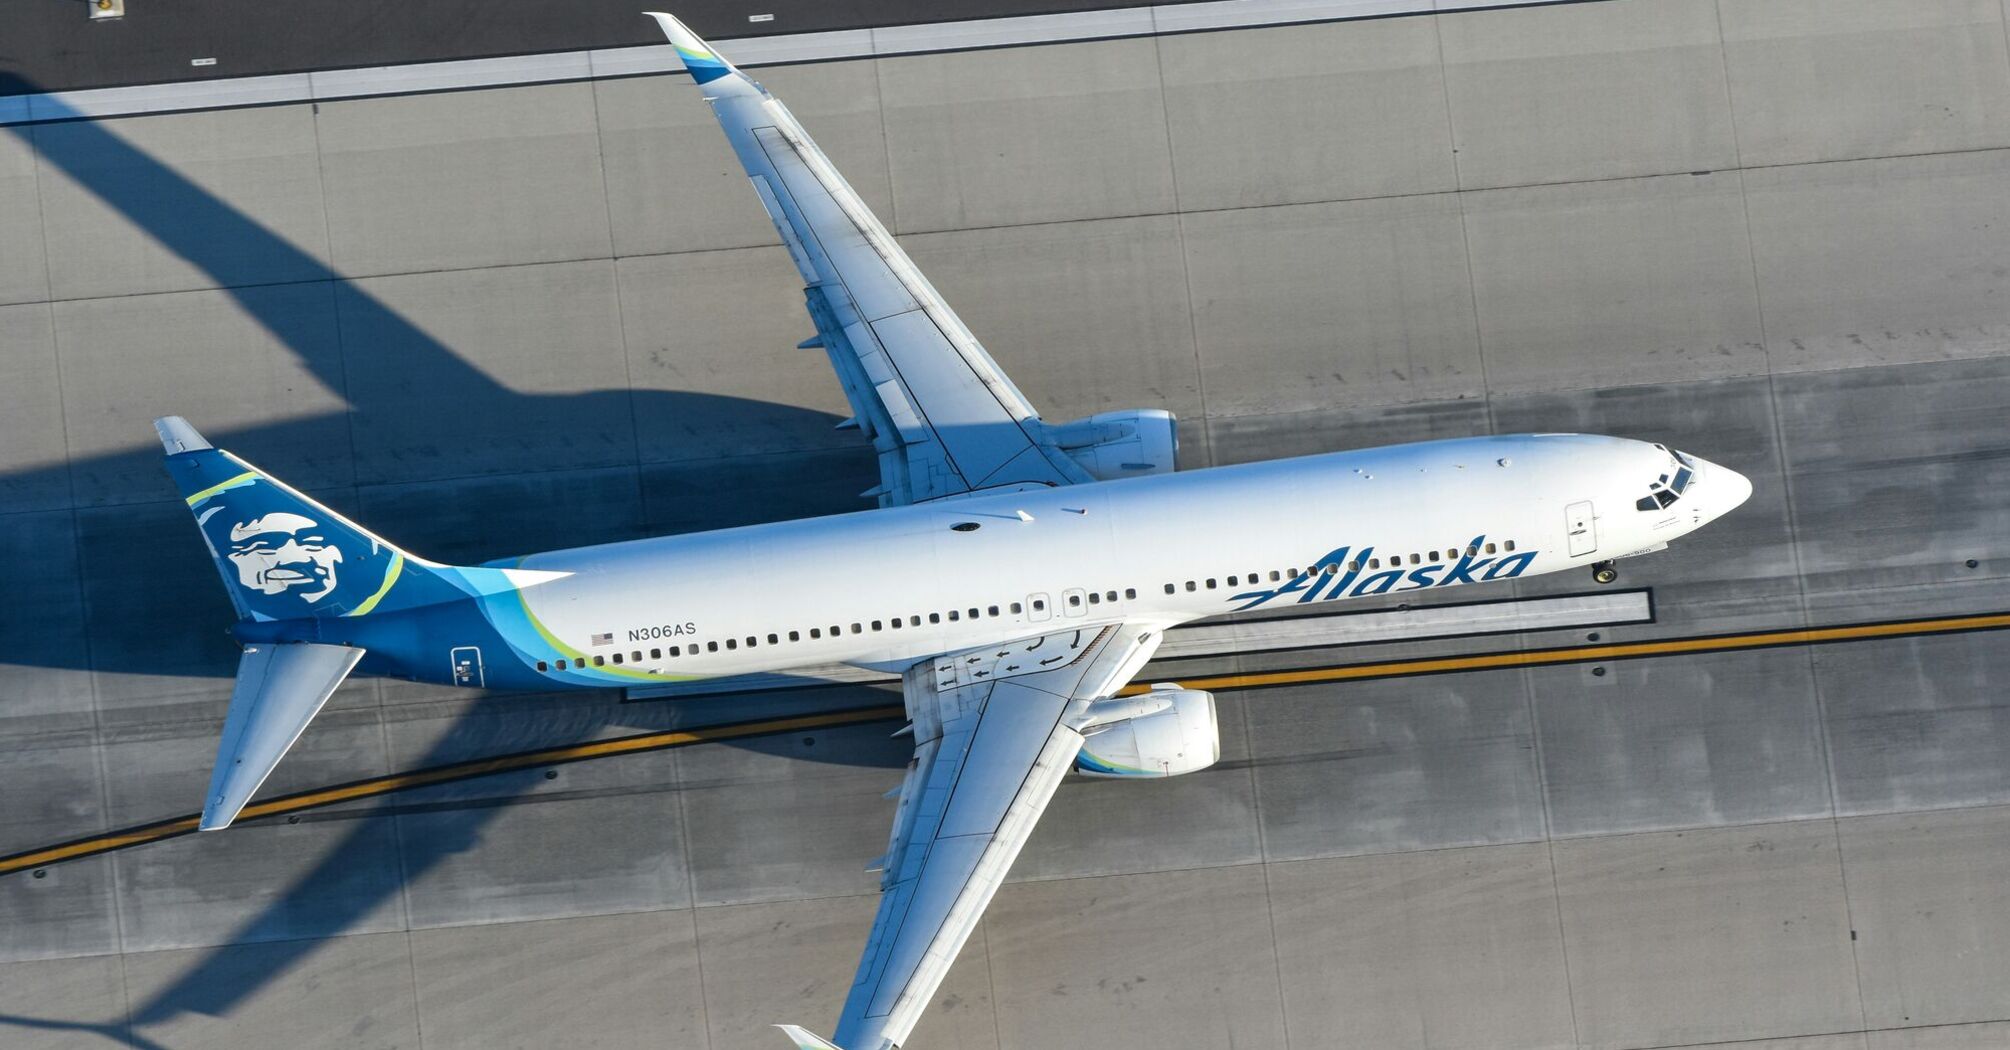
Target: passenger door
(1581, 526)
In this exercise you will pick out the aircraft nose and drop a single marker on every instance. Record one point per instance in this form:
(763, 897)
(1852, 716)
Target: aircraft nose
(1729, 489)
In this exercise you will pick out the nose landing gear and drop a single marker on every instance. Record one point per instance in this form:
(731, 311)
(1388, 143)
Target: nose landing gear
(1604, 572)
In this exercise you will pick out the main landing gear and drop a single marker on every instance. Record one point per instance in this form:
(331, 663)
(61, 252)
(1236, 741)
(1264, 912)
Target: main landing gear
(1604, 572)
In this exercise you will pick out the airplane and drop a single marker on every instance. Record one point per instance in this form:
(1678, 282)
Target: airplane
(1017, 573)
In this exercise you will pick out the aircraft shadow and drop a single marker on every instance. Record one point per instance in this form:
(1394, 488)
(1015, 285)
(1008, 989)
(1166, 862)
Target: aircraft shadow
(155, 607)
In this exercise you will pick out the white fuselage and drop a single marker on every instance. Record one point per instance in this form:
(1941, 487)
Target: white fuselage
(1169, 548)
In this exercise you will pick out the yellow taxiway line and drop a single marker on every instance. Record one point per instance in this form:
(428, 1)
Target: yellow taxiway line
(361, 789)
(1578, 654)
(628, 745)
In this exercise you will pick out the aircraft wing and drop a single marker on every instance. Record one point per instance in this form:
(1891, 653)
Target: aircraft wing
(994, 732)
(942, 415)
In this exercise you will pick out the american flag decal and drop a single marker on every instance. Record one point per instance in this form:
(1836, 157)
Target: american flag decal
(603, 639)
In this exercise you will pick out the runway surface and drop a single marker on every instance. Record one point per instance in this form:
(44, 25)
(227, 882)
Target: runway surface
(491, 321)
(56, 47)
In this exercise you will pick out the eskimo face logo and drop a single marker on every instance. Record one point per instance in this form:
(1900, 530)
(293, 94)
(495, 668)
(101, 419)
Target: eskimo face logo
(284, 552)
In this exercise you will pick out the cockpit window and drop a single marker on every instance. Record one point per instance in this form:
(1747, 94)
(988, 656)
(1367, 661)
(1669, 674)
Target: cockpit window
(1661, 492)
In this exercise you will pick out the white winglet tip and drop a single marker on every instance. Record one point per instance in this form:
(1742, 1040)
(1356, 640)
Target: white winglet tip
(804, 1039)
(679, 33)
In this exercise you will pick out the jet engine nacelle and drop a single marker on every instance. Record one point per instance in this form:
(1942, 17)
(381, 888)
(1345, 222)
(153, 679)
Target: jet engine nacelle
(1163, 733)
(1111, 445)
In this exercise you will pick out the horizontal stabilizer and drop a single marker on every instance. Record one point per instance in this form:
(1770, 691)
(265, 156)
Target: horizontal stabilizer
(279, 689)
(804, 1040)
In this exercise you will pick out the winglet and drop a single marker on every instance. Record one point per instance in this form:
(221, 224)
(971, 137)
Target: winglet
(803, 1039)
(697, 55)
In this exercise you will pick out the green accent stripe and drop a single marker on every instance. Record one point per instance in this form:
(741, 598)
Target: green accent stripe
(543, 632)
(390, 578)
(243, 479)
(579, 658)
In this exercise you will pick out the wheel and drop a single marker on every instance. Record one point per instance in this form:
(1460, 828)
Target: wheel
(1604, 572)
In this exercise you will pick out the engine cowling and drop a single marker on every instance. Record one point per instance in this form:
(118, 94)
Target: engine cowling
(1177, 735)
(1111, 445)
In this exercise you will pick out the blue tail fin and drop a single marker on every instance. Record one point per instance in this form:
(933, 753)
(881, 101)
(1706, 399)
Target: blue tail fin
(284, 556)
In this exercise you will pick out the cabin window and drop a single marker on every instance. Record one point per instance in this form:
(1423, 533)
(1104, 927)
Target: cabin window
(617, 658)
(973, 614)
(1275, 575)
(1097, 599)
(993, 610)
(914, 621)
(656, 654)
(540, 665)
(1470, 551)
(1131, 593)
(794, 637)
(1171, 589)
(953, 616)
(1490, 547)
(753, 641)
(1190, 585)
(1110, 596)
(1074, 599)
(1509, 545)
(1354, 566)
(894, 623)
(1329, 568)
(676, 651)
(711, 647)
(858, 628)
(1231, 582)
(934, 617)
(599, 661)
(1416, 559)
(732, 644)
(1436, 557)
(1210, 583)
(1017, 608)
(561, 665)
